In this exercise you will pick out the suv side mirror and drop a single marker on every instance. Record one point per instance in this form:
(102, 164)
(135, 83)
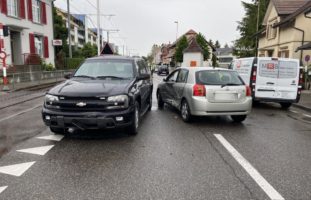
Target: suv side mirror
(143, 77)
(68, 76)
(164, 79)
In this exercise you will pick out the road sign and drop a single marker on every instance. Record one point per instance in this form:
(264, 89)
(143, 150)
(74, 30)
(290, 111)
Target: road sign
(2, 55)
(57, 42)
(307, 58)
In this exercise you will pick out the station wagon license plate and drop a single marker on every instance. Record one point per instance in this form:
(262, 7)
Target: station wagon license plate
(226, 96)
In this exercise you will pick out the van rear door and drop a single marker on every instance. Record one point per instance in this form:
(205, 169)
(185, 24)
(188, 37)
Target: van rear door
(244, 68)
(266, 80)
(288, 79)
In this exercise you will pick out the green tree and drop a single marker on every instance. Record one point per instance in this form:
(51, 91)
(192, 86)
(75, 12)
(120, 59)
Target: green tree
(60, 31)
(204, 45)
(182, 44)
(89, 50)
(214, 57)
(217, 44)
(246, 44)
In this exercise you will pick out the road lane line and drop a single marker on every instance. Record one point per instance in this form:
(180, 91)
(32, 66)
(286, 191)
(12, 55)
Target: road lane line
(293, 111)
(17, 169)
(2, 189)
(307, 115)
(37, 150)
(261, 181)
(20, 113)
(52, 137)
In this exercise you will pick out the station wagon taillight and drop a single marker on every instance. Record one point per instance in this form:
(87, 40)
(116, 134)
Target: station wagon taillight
(248, 91)
(199, 90)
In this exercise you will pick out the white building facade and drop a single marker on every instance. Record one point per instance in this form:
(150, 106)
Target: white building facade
(30, 25)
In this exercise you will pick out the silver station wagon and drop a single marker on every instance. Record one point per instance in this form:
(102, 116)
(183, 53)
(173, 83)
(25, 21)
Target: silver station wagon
(206, 91)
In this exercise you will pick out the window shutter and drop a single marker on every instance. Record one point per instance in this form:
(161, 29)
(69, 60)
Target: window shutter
(22, 9)
(46, 47)
(29, 4)
(4, 7)
(43, 13)
(32, 43)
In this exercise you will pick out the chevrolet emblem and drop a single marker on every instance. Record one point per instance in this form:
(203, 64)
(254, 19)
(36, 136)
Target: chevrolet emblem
(81, 104)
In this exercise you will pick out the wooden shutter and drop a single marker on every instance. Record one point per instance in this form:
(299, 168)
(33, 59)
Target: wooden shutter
(4, 7)
(29, 6)
(43, 13)
(22, 9)
(32, 43)
(46, 47)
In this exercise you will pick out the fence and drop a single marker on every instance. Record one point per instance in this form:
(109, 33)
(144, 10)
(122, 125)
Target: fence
(30, 79)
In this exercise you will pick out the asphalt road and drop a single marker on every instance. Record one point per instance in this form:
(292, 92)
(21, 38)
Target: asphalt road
(266, 157)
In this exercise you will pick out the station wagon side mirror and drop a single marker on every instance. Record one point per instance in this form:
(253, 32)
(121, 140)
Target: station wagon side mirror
(68, 76)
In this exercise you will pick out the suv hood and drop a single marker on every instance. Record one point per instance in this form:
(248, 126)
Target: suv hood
(91, 88)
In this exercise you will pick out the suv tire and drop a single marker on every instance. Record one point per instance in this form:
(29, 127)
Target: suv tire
(238, 118)
(57, 130)
(133, 130)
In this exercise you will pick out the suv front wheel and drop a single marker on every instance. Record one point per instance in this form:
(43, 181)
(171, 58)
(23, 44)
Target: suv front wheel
(135, 125)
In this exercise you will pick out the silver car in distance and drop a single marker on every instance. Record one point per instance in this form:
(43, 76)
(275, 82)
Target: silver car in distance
(206, 91)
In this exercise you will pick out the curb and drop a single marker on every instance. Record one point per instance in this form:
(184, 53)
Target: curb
(302, 107)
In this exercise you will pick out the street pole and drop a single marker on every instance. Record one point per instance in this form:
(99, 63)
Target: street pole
(257, 28)
(69, 33)
(176, 22)
(98, 28)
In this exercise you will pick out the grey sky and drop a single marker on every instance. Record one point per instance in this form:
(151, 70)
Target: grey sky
(148, 22)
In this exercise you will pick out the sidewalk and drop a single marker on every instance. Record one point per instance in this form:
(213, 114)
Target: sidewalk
(305, 101)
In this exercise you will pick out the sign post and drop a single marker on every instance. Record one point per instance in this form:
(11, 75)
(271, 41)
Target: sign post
(307, 59)
(3, 58)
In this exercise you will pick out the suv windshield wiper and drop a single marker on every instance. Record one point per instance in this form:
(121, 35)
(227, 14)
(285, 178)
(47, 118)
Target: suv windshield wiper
(116, 77)
(229, 84)
(84, 76)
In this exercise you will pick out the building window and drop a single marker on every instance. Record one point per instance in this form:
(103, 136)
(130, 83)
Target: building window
(38, 46)
(271, 32)
(13, 8)
(36, 11)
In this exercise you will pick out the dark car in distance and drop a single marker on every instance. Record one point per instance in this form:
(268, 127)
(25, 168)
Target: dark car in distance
(104, 92)
(163, 69)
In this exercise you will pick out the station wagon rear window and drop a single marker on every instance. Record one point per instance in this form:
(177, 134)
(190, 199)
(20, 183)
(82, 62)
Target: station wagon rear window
(218, 77)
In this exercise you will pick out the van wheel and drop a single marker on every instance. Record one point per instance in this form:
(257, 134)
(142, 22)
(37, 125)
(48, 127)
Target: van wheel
(238, 118)
(285, 105)
(185, 111)
(133, 129)
(160, 100)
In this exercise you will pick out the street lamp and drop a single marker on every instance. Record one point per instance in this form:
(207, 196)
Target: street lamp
(176, 22)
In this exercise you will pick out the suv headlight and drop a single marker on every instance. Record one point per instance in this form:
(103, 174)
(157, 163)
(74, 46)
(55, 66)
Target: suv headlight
(50, 99)
(119, 101)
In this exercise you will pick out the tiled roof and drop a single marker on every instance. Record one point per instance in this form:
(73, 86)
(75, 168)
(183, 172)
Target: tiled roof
(304, 8)
(193, 47)
(287, 7)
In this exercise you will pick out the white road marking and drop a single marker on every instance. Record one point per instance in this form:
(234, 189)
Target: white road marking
(154, 108)
(52, 137)
(20, 113)
(293, 111)
(2, 189)
(16, 170)
(307, 115)
(261, 181)
(37, 150)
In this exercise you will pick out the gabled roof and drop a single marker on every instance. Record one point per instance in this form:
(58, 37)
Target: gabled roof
(193, 47)
(306, 7)
(287, 7)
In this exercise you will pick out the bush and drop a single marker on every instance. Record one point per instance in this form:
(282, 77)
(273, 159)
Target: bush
(73, 63)
(47, 67)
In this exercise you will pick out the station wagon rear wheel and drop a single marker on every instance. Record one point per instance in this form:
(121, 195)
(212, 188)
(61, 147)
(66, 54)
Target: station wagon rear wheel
(238, 118)
(185, 111)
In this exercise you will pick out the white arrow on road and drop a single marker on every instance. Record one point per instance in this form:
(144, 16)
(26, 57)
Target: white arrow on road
(52, 137)
(16, 170)
(2, 189)
(37, 150)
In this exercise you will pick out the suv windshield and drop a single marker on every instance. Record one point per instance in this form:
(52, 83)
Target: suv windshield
(218, 77)
(106, 68)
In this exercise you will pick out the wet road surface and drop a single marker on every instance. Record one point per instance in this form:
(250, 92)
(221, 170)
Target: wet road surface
(168, 159)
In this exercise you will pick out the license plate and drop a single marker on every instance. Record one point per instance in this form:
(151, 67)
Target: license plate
(225, 97)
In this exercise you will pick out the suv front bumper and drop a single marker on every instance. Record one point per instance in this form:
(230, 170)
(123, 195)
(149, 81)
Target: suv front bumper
(88, 120)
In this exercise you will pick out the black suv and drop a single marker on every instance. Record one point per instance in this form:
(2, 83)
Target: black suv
(104, 92)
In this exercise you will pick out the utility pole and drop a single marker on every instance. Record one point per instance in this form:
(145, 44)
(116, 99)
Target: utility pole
(110, 31)
(176, 22)
(69, 32)
(257, 28)
(98, 28)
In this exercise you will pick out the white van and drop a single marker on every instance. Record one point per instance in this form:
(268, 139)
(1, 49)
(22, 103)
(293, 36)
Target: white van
(271, 79)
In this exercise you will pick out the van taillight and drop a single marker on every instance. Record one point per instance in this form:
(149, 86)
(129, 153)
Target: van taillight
(254, 74)
(300, 76)
(248, 91)
(199, 90)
